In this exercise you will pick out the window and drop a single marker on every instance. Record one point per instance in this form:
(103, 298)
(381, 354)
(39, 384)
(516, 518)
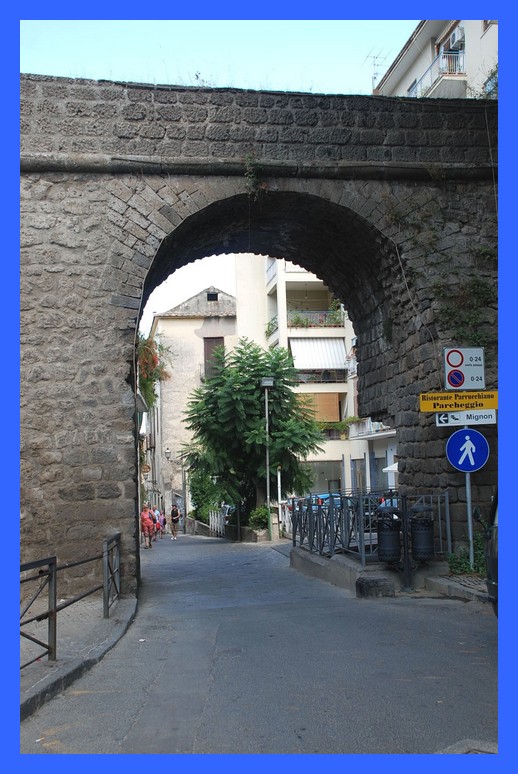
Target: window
(209, 345)
(326, 405)
(212, 296)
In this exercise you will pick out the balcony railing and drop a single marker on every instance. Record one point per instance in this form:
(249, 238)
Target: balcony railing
(322, 376)
(445, 63)
(298, 318)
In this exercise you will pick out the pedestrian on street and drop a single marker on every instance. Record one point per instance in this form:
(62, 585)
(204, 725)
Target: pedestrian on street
(162, 523)
(175, 518)
(147, 526)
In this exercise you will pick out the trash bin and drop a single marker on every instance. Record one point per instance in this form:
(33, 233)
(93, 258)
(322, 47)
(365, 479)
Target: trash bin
(389, 536)
(421, 532)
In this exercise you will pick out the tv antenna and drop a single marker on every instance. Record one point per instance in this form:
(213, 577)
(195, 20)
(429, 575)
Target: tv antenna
(377, 60)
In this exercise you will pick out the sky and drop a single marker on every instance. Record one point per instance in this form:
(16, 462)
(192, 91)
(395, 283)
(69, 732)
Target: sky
(316, 56)
(326, 56)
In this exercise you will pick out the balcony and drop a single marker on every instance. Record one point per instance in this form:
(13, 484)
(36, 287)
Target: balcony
(332, 318)
(446, 77)
(321, 376)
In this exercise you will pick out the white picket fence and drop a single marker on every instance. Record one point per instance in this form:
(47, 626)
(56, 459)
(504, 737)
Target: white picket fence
(217, 523)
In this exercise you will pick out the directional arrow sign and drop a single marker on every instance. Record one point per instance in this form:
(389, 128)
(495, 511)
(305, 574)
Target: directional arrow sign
(447, 418)
(467, 450)
(487, 417)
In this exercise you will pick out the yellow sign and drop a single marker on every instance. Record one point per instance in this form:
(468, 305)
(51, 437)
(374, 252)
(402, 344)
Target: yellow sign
(458, 401)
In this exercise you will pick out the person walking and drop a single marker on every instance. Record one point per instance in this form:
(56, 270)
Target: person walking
(175, 518)
(147, 526)
(161, 521)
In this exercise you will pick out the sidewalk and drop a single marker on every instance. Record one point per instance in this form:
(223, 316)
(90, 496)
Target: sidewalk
(84, 636)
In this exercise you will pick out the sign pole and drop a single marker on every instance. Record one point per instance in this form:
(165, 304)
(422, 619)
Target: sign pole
(470, 520)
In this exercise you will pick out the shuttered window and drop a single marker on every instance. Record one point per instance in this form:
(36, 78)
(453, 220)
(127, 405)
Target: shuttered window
(209, 345)
(325, 405)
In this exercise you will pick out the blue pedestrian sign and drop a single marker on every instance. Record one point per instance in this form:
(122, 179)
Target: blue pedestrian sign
(467, 450)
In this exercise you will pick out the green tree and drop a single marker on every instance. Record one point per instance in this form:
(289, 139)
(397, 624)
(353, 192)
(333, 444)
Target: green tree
(227, 417)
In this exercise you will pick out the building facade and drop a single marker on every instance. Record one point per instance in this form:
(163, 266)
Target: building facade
(190, 332)
(452, 58)
(300, 313)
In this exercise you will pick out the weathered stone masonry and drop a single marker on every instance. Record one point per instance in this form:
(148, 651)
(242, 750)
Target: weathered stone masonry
(391, 202)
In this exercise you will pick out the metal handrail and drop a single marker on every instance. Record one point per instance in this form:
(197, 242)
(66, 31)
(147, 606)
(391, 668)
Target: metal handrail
(47, 576)
(317, 318)
(348, 523)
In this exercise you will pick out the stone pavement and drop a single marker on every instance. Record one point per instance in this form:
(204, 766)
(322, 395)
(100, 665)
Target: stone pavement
(84, 637)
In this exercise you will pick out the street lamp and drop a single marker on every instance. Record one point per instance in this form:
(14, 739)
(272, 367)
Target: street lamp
(266, 382)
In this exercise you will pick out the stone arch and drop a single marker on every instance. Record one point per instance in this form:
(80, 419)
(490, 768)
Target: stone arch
(390, 202)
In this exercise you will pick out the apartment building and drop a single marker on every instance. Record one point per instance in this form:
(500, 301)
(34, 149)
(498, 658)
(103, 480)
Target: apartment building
(281, 304)
(448, 58)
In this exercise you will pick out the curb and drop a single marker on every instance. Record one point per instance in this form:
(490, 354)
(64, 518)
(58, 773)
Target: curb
(449, 588)
(59, 675)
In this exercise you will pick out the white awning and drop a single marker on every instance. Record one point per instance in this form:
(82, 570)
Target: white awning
(391, 468)
(318, 353)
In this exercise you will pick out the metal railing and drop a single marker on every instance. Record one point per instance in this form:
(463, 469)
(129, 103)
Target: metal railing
(217, 522)
(451, 63)
(347, 523)
(303, 318)
(46, 577)
(322, 376)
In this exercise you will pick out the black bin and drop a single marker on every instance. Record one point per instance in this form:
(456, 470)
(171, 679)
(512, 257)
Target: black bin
(389, 540)
(421, 531)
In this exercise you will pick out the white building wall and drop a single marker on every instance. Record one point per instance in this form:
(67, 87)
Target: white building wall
(251, 302)
(185, 338)
(481, 53)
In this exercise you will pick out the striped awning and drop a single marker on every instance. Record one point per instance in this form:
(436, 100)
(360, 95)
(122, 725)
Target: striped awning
(318, 353)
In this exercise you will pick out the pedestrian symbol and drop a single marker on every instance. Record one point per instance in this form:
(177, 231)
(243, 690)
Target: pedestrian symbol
(467, 450)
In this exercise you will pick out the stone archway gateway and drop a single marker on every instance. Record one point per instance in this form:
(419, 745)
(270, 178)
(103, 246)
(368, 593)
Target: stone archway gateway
(392, 202)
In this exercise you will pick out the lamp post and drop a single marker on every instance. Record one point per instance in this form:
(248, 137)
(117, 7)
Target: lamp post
(167, 455)
(279, 506)
(266, 382)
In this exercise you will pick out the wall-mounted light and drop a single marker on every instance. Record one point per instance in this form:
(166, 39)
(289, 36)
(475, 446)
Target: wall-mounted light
(167, 453)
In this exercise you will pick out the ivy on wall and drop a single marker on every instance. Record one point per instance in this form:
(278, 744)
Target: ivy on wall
(462, 309)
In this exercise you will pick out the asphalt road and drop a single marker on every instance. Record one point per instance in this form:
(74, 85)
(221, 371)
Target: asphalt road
(232, 651)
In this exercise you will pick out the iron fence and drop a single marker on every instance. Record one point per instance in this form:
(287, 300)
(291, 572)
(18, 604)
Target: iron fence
(217, 522)
(43, 573)
(348, 523)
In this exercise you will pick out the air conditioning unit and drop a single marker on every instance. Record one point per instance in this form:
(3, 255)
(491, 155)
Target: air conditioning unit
(457, 38)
